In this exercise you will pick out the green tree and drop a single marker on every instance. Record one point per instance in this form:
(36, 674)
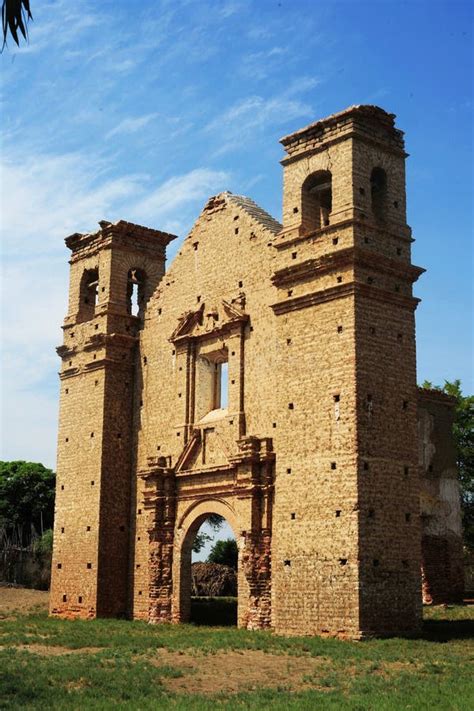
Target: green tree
(26, 499)
(463, 431)
(215, 521)
(225, 553)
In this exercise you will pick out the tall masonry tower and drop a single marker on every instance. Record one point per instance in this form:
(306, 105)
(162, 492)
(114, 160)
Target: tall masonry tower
(113, 273)
(346, 527)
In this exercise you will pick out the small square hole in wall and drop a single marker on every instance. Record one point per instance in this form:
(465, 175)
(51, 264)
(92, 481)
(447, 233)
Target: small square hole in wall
(233, 353)
(70, 362)
(139, 592)
(158, 447)
(236, 217)
(159, 312)
(92, 483)
(67, 439)
(103, 289)
(232, 382)
(342, 561)
(333, 465)
(293, 516)
(195, 245)
(72, 334)
(231, 422)
(399, 336)
(62, 529)
(79, 599)
(138, 565)
(241, 283)
(119, 435)
(96, 327)
(59, 566)
(288, 341)
(139, 538)
(366, 466)
(371, 513)
(178, 434)
(372, 331)
(288, 471)
(236, 231)
(336, 398)
(88, 528)
(64, 598)
(251, 328)
(295, 211)
(338, 513)
(179, 394)
(139, 512)
(89, 566)
(430, 468)
(62, 487)
(127, 328)
(92, 434)
(339, 329)
(406, 471)
(287, 562)
(94, 357)
(407, 517)
(366, 240)
(198, 299)
(335, 240)
(66, 391)
(122, 528)
(290, 292)
(395, 203)
(375, 563)
(405, 563)
(361, 191)
(141, 403)
(397, 288)
(274, 425)
(399, 251)
(173, 352)
(405, 404)
(339, 279)
(294, 255)
(291, 406)
(96, 382)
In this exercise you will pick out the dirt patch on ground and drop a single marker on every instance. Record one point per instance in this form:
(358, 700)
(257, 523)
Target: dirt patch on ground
(236, 671)
(22, 600)
(55, 650)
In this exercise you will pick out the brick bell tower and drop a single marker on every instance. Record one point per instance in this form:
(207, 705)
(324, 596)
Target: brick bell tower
(113, 273)
(346, 555)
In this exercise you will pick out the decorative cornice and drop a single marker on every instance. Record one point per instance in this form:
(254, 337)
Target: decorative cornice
(343, 291)
(352, 256)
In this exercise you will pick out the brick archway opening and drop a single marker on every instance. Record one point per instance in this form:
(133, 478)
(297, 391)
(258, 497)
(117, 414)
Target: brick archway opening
(187, 531)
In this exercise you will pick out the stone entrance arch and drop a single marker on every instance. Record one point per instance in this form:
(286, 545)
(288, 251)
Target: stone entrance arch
(178, 500)
(185, 532)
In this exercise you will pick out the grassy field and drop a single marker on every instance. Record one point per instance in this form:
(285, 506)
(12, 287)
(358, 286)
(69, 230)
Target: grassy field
(104, 664)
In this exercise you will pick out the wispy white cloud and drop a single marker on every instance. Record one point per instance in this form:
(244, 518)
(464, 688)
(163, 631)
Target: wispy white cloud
(254, 114)
(131, 125)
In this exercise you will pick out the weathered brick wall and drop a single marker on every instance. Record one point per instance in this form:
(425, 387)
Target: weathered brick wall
(443, 577)
(95, 447)
(314, 459)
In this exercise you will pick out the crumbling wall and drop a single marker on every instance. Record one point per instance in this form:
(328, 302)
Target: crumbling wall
(442, 552)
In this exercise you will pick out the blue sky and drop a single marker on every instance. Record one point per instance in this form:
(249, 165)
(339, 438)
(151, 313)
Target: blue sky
(141, 110)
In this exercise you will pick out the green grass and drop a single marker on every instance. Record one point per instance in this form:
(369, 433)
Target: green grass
(434, 671)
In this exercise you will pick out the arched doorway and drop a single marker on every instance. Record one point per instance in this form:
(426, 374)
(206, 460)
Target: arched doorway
(185, 536)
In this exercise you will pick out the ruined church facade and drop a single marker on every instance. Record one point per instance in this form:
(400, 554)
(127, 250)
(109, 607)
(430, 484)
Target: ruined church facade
(334, 471)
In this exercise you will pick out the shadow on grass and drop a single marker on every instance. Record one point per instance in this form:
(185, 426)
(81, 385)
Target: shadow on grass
(214, 611)
(446, 630)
